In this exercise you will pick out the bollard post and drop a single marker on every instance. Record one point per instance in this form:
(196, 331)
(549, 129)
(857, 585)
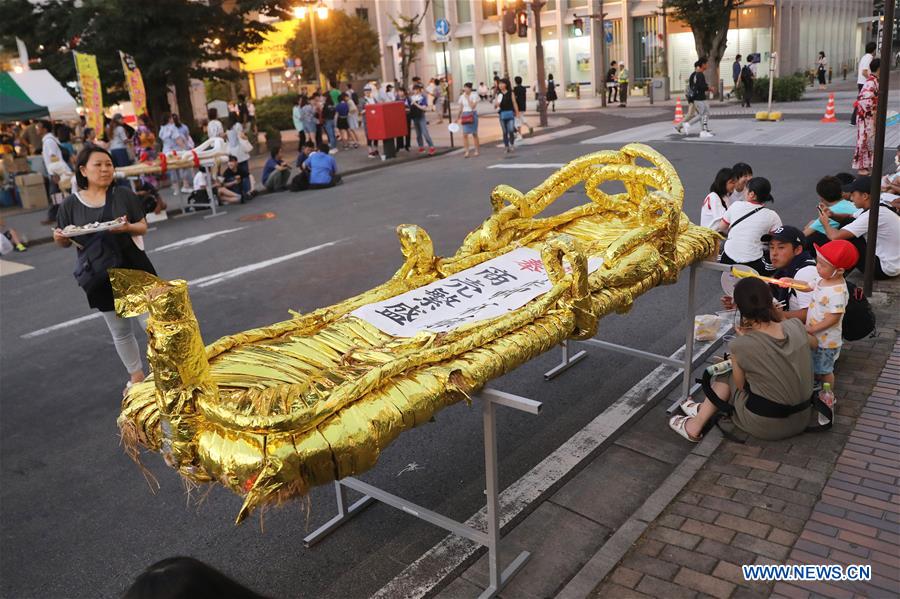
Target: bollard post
(721, 90)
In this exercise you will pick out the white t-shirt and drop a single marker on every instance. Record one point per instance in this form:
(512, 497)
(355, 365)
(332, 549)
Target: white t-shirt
(468, 104)
(199, 181)
(864, 64)
(737, 196)
(712, 209)
(215, 129)
(801, 299)
(743, 244)
(887, 242)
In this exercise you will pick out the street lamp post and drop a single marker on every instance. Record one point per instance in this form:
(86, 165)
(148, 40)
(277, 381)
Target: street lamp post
(536, 6)
(321, 14)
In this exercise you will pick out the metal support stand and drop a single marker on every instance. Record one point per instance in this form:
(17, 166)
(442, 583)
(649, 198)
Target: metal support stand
(490, 398)
(686, 364)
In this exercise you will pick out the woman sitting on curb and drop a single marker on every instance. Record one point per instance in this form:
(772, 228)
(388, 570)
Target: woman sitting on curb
(771, 363)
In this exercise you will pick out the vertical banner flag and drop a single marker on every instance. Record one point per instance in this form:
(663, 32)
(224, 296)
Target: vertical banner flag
(91, 92)
(135, 84)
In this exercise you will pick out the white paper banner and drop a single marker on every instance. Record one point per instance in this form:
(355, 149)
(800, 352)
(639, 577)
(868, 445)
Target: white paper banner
(490, 289)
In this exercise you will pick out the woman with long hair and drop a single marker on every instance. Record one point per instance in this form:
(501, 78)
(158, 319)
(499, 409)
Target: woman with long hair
(717, 200)
(98, 199)
(508, 109)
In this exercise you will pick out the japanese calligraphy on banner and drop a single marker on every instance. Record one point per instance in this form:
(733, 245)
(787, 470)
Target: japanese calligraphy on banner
(490, 289)
(91, 92)
(135, 84)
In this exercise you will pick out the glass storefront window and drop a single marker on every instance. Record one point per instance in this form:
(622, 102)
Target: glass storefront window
(682, 54)
(579, 60)
(646, 48)
(463, 11)
(492, 55)
(488, 8)
(518, 60)
(551, 50)
(577, 3)
(467, 67)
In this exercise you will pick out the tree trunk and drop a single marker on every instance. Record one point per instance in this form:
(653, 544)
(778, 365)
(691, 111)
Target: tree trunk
(183, 97)
(156, 100)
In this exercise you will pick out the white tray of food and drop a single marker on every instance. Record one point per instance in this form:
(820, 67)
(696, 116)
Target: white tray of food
(95, 227)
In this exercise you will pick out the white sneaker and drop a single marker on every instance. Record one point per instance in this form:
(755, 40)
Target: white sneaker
(706, 134)
(678, 128)
(186, 189)
(333, 151)
(686, 129)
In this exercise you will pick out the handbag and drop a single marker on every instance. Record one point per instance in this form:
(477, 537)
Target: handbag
(467, 118)
(99, 255)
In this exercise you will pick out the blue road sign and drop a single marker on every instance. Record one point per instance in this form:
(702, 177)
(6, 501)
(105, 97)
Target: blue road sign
(608, 31)
(442, 27)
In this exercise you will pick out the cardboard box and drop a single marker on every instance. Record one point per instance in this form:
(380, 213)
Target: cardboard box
(34, 197)
(29, 180)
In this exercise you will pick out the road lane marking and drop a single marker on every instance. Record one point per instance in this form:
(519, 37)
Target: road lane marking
(11, 268)
(439, 562)
(192, 241)
(530, 141)
(206, 281)
(514, 165)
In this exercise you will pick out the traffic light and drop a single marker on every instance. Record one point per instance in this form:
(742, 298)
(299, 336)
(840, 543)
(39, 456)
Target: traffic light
(522, 23)
(509, 22)
(578, 26)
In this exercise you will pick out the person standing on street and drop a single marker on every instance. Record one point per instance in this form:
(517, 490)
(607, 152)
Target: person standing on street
(866, 106)
(747, 82)
(520, 92)
(118, 141)
(551, 91)
(368, 98)
(55, 164)
(175, 137)
(696, 95)
(214, 127)
(297, 120)
(623, 85)
(862, 73)
(468, 117)
(328, 122)
(612, 84)
(821, 69)
(239, 147)
(403, 143)
(98, 199)
(736, 73)
(418, 105)
(505, 102)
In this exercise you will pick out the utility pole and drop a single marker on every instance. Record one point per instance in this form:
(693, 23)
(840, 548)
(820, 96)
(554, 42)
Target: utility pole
(505, 65)
(884, 77)
(315, 48)
(603, 59)
(536, 6)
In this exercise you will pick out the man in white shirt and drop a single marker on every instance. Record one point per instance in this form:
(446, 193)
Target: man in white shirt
(214, 127)
(58, 171)
(862, 73)
(887, 241)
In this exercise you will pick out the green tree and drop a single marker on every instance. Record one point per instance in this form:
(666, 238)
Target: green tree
(172, 41)
(347, 46)
(709, 21)
(409, 48)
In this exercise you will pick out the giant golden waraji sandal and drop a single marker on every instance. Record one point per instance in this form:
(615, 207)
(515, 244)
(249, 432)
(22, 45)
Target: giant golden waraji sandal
(272, 411)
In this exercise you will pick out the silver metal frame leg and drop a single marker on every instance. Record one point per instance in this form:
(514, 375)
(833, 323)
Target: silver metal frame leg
(567, 362)
(343, 515)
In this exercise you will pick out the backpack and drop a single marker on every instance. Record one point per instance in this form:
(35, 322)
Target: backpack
(746, 73)
(689, 93)
(859, 320)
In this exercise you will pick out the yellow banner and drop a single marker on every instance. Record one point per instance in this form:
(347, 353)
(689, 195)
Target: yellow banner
(135, 84)
(91, 91)
(270, 54)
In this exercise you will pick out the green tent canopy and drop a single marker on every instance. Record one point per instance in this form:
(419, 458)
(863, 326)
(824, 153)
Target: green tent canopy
(34, 94)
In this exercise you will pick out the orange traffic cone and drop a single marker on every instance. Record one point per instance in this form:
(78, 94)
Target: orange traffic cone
(829, 111)
(679, 115)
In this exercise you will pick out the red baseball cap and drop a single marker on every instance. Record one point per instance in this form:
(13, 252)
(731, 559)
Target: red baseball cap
(840, 253)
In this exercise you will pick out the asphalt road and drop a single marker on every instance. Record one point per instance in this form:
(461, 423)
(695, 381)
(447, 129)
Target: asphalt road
(77, 518)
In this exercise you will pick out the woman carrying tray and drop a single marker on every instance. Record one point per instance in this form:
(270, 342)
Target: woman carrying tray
(98, 199)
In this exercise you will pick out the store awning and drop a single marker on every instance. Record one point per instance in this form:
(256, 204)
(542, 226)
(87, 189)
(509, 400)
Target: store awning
(34, 94)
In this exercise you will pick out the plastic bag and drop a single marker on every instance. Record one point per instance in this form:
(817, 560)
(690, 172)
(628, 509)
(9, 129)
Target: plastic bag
(706, 327)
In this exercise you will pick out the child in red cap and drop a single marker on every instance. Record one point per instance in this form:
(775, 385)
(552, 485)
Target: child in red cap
(828, 303)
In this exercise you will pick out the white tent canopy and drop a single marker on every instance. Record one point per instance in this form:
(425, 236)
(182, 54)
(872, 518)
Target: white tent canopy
(43, 89)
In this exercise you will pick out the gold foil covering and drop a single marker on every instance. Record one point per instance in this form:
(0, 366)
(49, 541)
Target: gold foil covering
(274, 411)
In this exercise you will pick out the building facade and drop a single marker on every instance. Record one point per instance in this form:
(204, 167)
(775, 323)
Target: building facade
(637, 32)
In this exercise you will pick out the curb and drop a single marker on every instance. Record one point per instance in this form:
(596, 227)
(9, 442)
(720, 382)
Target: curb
(611, 553)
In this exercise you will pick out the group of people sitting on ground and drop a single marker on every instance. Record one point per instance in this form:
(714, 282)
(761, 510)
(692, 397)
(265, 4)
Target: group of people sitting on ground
(317, 169)
(790, 333)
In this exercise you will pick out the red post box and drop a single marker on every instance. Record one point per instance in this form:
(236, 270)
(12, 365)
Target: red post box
(386, 120)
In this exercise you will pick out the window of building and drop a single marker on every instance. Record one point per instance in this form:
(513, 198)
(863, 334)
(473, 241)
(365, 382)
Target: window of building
(362, 13)
(646, 48)
(488, 9)
(463, 11)
(578, 3)
(440, 9)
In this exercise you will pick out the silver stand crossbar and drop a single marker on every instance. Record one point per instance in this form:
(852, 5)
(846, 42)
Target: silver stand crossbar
(491, 398)
(685, 364)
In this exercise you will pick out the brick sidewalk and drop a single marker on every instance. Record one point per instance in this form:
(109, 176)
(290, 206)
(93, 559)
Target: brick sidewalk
(799, 500)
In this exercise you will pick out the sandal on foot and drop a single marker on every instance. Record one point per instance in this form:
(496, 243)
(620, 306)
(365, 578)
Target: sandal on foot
(677, 424)
(690, 407)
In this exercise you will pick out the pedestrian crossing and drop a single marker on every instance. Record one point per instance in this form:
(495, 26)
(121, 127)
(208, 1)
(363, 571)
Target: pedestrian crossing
(11, 268)
(749, 132)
